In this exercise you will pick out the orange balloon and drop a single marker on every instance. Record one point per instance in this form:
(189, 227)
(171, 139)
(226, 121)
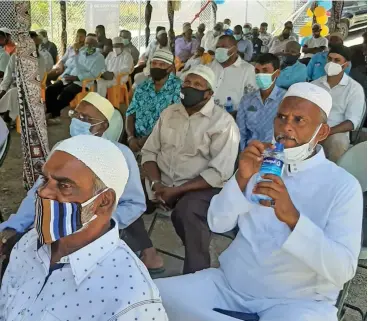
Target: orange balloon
(324, 31)
(305, 31)
(320, 11)
(322, 20)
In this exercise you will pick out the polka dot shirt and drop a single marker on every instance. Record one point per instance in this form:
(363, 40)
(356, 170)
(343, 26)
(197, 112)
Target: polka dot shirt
(103, 281)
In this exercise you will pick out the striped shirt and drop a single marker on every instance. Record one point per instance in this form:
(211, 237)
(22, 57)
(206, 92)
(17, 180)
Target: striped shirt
(255, 117)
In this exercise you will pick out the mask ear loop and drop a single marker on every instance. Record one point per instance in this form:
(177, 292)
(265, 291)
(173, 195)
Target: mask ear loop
(93, 198)
(313, 137)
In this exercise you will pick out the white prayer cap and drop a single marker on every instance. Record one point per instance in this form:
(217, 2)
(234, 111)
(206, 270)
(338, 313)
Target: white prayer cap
(313, 93)
(116, 40)
(102, 157)
(164, 55)
(101, 103)
(5, 30)
(161, 32)
(205, 72)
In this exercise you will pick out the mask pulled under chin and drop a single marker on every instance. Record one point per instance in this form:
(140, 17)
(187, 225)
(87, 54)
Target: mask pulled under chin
(55, 220)
(300, 153)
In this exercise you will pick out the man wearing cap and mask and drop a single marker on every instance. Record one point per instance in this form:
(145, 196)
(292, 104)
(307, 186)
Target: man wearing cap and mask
(293, 254)
(128, 46)
(10, 46)
(292, 70)
(234, 76)
(244, 45)
(151, 97)
(93, 116)
(348, 102)
(88, 64)
(314, 45)
(258, 109)
(186, 46)
(247, 31)
(210, 39)
(73, 263)
(118, 61)
(316, 66)
(188, 157)
(48, 45)
(227, 25)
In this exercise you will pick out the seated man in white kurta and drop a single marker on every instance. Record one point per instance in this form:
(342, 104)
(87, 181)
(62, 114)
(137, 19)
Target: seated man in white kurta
(117, 62)
(293, 254)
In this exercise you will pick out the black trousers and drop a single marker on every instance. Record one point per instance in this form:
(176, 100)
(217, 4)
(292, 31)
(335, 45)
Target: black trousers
(189, 218)
(59, 96)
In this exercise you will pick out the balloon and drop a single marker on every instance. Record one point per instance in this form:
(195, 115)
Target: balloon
(219, 1)
(324, 31)
(320, 12)
(322, 20)
(325, 4)
(309, 13)
(305, 31)
(308, 23)
(304, 40)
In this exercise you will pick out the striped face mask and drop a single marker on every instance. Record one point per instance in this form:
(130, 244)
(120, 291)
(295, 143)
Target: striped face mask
(55, 220)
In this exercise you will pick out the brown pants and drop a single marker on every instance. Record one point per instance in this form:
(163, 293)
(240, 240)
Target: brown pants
(189, 218)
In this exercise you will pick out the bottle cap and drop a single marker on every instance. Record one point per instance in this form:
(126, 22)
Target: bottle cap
(279, 147)
(228, 98)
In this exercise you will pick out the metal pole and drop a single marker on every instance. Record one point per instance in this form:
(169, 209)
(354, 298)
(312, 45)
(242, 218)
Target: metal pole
(50, 20)
(139, 23)
(246, 10)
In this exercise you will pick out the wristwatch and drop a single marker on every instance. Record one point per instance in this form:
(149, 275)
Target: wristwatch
(153, 184)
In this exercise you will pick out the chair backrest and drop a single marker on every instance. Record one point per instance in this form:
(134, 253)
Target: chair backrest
(116, 127)
(355, 162)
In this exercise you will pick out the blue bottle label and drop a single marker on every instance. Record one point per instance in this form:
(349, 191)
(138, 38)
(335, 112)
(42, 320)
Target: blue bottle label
(272, 165)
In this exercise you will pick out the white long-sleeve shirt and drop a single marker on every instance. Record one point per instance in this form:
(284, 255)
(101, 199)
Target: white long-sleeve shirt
(119, 64)
(269, 261)
(102, 281)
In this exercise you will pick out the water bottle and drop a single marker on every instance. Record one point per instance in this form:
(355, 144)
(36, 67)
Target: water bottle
(229, 105)
(273, 163)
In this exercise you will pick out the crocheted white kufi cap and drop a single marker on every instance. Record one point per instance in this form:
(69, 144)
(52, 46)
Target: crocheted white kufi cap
(313, 93)
(101, 103)
(205, 72)
(102, 157)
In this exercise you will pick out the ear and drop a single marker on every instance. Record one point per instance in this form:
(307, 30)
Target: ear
(105, 204)
(323, 133)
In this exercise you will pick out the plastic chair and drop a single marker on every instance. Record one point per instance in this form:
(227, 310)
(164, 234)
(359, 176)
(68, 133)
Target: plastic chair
(206, 58)
(178, 64)
(119, 93)
(78, 98)
(43, 87)
(354, 161)
(116, 127)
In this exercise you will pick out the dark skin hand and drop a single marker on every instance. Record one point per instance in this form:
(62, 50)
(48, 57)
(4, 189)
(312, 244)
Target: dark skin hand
(283, 205)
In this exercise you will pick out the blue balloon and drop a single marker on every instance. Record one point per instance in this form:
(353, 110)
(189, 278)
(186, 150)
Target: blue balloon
(219, 1)
(325, 4)
(304, 40)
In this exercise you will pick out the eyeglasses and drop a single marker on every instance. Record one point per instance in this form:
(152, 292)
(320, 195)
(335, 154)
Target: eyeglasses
(75, 114)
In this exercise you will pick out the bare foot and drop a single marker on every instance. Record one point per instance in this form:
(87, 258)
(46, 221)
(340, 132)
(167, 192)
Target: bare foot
(151, 259)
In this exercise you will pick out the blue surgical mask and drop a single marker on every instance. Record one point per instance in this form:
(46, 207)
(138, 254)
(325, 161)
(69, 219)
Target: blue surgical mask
(222, 54)
(237, 37)
(264, 81)
(78, 127)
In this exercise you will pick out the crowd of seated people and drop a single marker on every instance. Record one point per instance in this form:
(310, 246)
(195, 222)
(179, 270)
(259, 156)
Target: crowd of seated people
(188, 155)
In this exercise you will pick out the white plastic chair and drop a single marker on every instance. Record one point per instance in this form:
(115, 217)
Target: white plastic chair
(354, 161)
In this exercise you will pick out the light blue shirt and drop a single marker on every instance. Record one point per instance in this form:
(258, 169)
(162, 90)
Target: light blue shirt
(85, 66)
(292, 75)
(255, 118)
(131, 204)
(316, 66)
(246, 46)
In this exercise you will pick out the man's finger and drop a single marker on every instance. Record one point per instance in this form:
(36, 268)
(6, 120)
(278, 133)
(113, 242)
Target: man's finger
(268, 184)
(267, 192)
(274, 178)
(255, 158)
(266, 203)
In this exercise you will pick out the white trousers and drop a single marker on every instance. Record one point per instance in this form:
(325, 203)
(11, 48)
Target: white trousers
(10, 103)
(194, 296)
(102, 86)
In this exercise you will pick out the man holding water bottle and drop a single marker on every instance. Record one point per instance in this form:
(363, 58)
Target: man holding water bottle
(294, 252)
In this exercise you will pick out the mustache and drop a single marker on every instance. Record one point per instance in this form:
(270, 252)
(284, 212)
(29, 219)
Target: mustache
(286, 137)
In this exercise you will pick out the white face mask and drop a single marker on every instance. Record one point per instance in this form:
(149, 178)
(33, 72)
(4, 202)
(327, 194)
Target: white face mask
(226, 26)
(300, 153)
(333, 69)
(117, 51)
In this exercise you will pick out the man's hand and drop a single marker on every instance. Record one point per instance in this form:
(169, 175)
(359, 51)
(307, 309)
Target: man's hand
(2, 93)
(168, 195)
(6, 243)
(250, 161)
(281, 202)
(68, 78)
(134, 145)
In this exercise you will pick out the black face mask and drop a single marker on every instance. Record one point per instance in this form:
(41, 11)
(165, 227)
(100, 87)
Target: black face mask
(290, 60)
(191, 97)
(158, 73)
